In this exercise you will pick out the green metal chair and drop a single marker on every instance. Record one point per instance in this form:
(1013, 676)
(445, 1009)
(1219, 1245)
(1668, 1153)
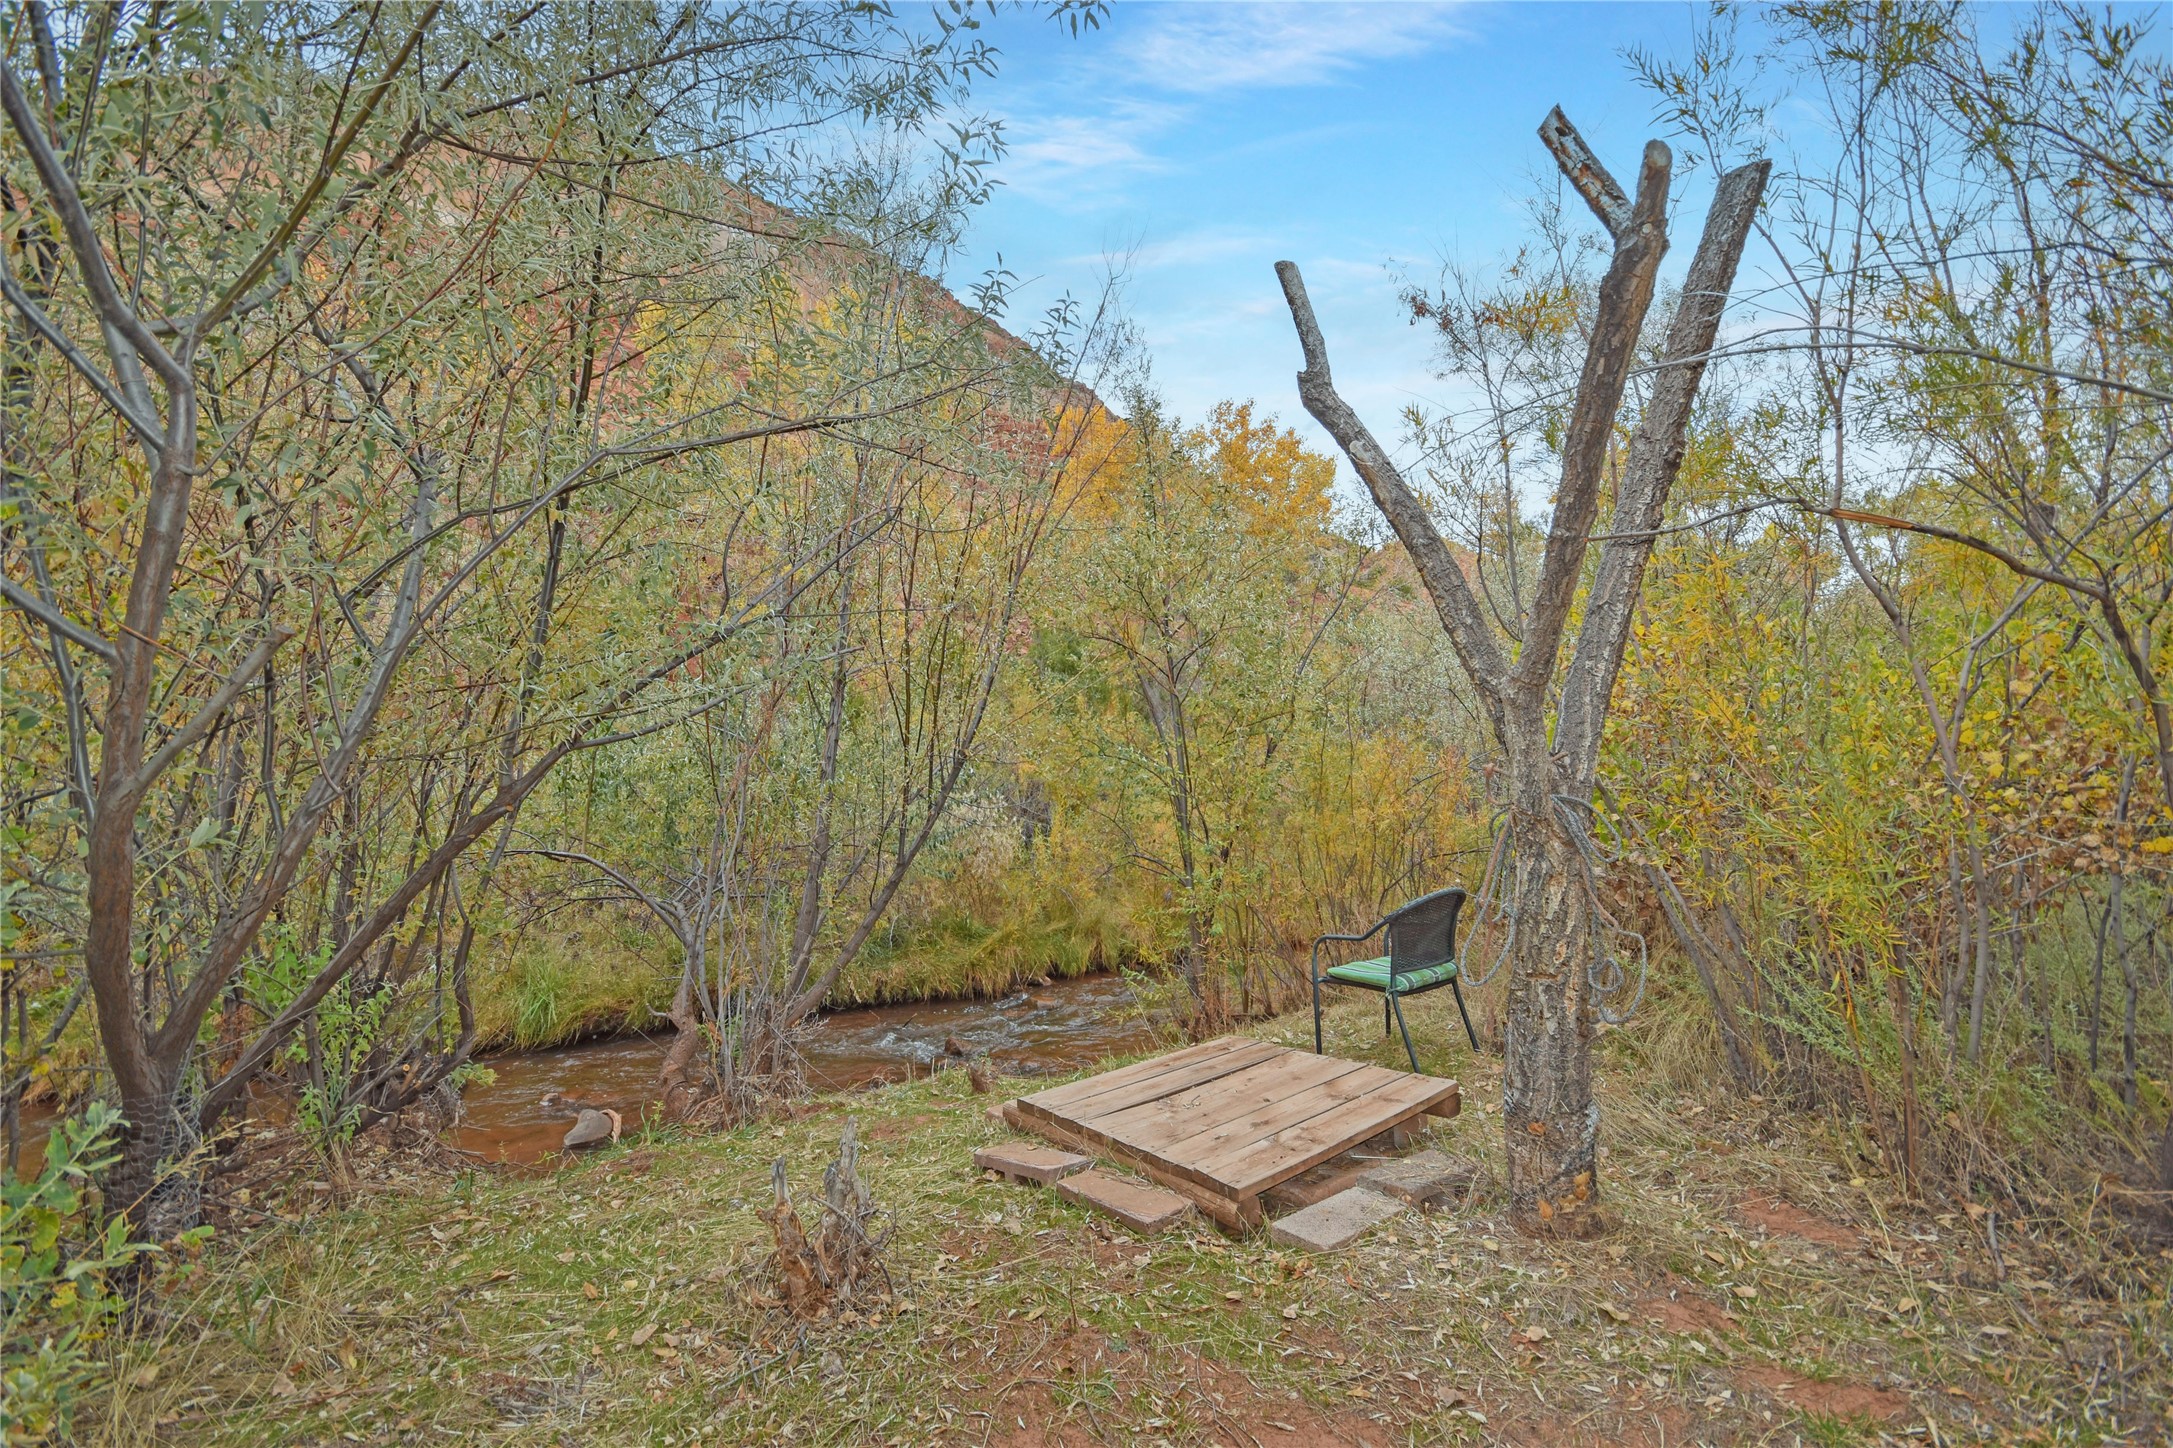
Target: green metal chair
(1421, 957)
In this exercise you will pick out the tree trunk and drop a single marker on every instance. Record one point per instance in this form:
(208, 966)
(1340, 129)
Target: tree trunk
(1550, 1123)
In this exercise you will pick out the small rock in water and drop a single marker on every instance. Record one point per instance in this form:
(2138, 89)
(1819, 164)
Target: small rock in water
(593, 1127)
(952, 1046)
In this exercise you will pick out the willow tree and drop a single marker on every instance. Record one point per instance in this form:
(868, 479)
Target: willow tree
(1548, 720)
(350, 347)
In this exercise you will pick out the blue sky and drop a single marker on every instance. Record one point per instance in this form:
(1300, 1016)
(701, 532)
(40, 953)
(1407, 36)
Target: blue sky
(1208, 140)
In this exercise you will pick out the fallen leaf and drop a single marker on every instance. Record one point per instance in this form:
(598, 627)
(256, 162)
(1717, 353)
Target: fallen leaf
(643, 1333)
(1744, 1290)
(1290, 1313)
(1907, 1304)
(1534, 1333)
(145, 1375)
(1614, 1312)
(567, 1255)
(1233, 1297)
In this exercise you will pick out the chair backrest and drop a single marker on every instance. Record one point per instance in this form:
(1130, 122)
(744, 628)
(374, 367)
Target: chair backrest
(1423, 932)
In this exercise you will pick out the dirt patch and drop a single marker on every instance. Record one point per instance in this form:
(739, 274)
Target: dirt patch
(1273, 1420)
(1775, 1215)
(894, 1128)
(1234, 1409)
(1686, 1312)
(1833, 1400)
(1634, 1425)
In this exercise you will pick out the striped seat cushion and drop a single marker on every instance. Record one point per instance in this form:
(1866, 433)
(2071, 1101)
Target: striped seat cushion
(1374, 974)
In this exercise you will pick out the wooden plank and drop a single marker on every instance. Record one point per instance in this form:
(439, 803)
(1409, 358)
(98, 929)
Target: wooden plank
(1334, 1131)
(1361, 1097)
(1194, 1073)
(1232, 1213)
(1270, 1114)
(1160, 1124)
(1065, 1095)
(1185, 1077)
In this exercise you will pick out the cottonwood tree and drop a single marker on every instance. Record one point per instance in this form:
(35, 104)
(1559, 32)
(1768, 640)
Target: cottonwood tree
(1550, 1119)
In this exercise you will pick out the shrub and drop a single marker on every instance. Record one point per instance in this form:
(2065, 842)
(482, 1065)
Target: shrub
(55, 1294)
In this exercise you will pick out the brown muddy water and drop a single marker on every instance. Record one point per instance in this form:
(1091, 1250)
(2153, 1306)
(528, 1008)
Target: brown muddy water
(521, 1117)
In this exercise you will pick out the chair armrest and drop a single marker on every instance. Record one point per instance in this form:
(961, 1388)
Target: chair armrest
(1353, 939)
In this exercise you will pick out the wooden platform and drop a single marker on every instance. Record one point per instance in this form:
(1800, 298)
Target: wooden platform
(1223, 1121)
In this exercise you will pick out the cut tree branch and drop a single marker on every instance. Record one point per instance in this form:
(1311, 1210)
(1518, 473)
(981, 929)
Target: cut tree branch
(1591, 180)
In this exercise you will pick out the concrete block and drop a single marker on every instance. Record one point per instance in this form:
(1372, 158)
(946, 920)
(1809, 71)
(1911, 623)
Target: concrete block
(1036, 1166)
(1142, 1208)
(1426, 1179)
(1337, 1222)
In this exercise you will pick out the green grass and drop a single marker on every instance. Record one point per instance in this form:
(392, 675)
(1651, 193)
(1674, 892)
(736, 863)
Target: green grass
(608, 1303)
(609, 971)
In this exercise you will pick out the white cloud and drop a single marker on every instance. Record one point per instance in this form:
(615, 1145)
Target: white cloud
(1192, 248)
(1052, 157)
(1213, 47)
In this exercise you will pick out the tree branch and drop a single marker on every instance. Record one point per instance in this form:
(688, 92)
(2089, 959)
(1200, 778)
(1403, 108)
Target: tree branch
(1586, 175)
(54, 619)
(1453, 601)
(1625, 295)
(200, 723)
(1655, 461)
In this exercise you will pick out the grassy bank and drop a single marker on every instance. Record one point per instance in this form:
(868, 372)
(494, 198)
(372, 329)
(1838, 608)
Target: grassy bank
(610, 971)
(1759, 1290)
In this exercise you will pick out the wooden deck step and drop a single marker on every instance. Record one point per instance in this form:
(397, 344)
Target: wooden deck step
(1035, 1166)
(1142, 1208)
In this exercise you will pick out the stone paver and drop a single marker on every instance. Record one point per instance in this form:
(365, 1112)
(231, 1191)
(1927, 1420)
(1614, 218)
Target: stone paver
(1142, 1208)
(1424, 1179)
(1336, 1222)
(1037, 1166)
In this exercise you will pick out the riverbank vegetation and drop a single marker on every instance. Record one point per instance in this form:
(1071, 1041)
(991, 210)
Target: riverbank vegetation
(507, 540)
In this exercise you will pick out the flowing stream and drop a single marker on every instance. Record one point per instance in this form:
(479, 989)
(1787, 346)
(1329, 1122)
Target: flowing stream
(522, 1116)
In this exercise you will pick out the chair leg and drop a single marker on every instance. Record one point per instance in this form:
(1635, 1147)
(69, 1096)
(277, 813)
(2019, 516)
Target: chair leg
(1316, 1017)
(1386, 998)
(1468, 1031)
(1397, 1005)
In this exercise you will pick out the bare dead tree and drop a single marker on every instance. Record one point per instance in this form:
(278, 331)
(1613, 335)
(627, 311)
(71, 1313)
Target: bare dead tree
(1550, 1120)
